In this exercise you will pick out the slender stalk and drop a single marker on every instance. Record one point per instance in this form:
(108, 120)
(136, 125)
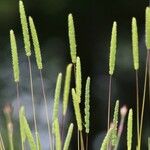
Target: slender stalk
(78, 140)
(17, 92)
(32, 97)
(62, 128)
(46, 110)
(109, 101)
(137, 104)
(143, 101)
(87, 139)
(81, 140)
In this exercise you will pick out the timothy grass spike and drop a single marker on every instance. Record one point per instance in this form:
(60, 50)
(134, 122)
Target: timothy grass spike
(68, 137)
(87, 105)
(78, 79)
(14, 56)
(25, 29)
(77, 110)
(56, 98)
(57, 134)
(129, 129)
(67, 88)
(135, 46)
(35, 43)
(115, 123)
(113, 46)
(72, 40)
(106, 140)
(147, 27)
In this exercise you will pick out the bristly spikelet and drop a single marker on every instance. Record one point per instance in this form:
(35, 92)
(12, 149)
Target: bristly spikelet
(35, 43)
(147, 27)
(56, 98)
(72, 40)
(25, 29)
(115, 124)
(67, 88)
(78, 79)
(57, 134)
(106, 140)
(14, 56)
(135, 46)
(68, 137)
(77, 110)
(87, 106)
(129, 129)
(113, 46)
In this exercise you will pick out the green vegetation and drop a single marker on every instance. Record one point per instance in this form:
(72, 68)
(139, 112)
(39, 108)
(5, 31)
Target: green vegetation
(114, 129)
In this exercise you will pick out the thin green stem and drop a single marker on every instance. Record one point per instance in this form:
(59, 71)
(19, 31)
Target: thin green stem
(32, 97)
(78, 140)
(81, 140)
(17, 92)
(87, 140)
(46, 110)
(143, 101)
(109, 101)
(137, 104)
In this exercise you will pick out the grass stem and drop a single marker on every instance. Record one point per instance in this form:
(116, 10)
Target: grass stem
(87, 140)
(46, 110)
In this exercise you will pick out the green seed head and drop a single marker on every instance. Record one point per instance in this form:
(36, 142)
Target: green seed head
(72, 40)
(113, 46)
(87, 105)
(14, 56)
(35, 44)
(78, 79)
(57, 98)
(115, 123)
(25, 30)
(135, 46)
(67, 88)
(129, 129)
(77, 110)
(147, 27)
(68, 137)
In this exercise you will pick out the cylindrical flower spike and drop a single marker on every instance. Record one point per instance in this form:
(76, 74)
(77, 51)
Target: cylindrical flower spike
(57, 134)
(135, 46)
(25, 29)
(78, 79)
(129, 129)
(56, 98)
(147, 27)
(14, 56)
(35, 44)
(72, 40)
(68, 138)
(67, 88)
(77, 110)
(87, 106)
(113, 46)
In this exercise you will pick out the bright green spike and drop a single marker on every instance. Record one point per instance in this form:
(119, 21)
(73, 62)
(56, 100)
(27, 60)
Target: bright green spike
(113, 46)
(129, 129)
(135, 46)
(72, 40)
(56, 98)
(67, 88)
(35, 44)
(21, 122)
(106, 140)
(115, 124)
(77, 110)
(25, 30)
(14, 56)
(57, 134)
(147, 27)
(68, 137)
(78, 79)
(87, 105)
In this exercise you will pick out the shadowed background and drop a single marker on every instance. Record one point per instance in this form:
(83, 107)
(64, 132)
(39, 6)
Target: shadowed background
(93, 22)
